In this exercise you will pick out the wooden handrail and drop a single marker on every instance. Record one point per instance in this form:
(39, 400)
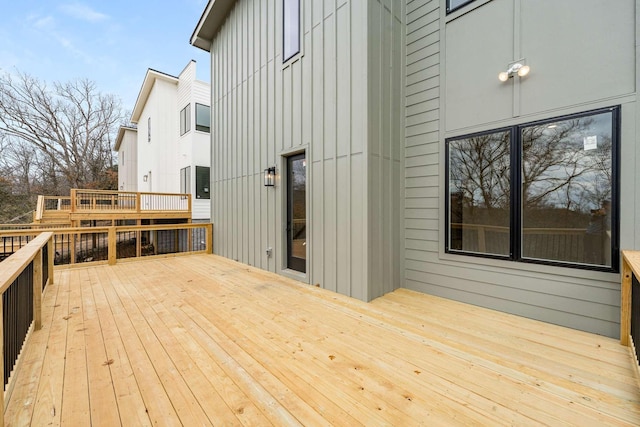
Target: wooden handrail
(12, 276)
(630, 268)
(16, 263)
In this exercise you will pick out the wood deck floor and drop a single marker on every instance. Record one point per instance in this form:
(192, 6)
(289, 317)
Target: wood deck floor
(201, 340)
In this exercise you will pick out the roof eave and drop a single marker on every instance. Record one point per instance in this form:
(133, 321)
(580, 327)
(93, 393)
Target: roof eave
(149, 80)
(210, 23)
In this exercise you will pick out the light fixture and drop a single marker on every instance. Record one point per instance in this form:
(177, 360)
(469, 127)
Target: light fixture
(145, 178)
(519, 67)
(270, 176)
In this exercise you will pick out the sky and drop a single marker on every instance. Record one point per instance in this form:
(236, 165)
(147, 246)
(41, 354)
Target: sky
(111, 42)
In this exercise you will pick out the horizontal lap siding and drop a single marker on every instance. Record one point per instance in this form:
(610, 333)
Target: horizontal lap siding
(581, 300)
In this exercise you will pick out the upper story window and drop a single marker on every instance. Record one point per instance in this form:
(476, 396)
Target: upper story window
(203, 118)
(453, 5)
(185, 180)
(543, 192)
(185, 119)
(149, 129)
(290, 29)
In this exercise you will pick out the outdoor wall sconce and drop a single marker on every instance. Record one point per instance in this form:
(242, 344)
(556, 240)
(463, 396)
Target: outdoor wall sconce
(270, 176)
(518, 67)
(145, 178)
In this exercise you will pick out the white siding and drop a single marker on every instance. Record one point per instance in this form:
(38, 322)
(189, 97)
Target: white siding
(128, 161)
(159, 155)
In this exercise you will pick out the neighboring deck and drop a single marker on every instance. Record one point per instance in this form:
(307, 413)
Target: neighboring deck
(101, 205)
(201, 340)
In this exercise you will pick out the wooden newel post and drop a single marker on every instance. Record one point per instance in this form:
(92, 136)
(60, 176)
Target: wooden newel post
(209, 238)
(625, 302)
(50, 261)
(112, 245)
(2, 403)
(37, 291)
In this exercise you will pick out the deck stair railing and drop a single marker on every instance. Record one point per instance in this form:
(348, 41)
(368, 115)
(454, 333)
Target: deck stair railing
(23, 278)
(630, 304)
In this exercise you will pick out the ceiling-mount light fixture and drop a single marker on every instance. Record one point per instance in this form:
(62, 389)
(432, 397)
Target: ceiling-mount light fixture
(519, 67)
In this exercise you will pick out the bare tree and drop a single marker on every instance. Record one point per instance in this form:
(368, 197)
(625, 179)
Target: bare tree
(64, 134)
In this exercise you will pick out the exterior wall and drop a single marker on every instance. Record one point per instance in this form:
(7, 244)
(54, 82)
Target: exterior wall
(577, 64)
(318, 103)
(128, 161)
(385, 45)
(159, 155)
(193, 146)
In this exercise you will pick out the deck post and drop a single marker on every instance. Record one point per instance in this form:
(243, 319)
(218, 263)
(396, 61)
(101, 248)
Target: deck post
(74, 200)
(37, 291)
(50, 260)
(625, 302)
(112, 245)
(209, 238)
(2, 402)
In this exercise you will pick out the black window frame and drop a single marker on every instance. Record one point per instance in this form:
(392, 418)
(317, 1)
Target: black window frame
(515, 223)
(185, 119)
(203, 185)
(286, 56)
(455, 7)
(200, 127)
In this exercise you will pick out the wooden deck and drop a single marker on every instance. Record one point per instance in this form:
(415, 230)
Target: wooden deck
(201, 340)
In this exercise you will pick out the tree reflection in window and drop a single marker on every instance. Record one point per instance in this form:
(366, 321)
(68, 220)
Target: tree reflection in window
(541, 192)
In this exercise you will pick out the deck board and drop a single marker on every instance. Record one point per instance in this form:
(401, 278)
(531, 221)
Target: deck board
(202, 340)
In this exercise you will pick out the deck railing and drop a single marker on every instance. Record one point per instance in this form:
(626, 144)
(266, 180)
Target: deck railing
(630, 303)
(112, 202)
(101, 200)
(23, 278)
(75, 245)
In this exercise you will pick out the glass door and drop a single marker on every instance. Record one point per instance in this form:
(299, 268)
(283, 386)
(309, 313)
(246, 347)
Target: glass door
(297, 213)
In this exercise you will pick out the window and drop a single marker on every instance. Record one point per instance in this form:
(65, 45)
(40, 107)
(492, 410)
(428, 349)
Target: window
(185, 119)
(543, 192)
(203, 118)
(185, 180)
(149, 129)
(202, 182)
(453, 5)
(290, 29)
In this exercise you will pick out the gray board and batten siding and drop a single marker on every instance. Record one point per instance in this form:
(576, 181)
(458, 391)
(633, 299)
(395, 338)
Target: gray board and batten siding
(374, 74)
(340, 102)
(578, 63)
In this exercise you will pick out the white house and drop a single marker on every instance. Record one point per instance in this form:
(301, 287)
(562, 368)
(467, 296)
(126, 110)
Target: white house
(127, 148)
(479, 150)
(173, 121)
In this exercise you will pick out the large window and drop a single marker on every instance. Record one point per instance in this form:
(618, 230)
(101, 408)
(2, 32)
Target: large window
(185, 119)
(203, 118)
(453, 5)
(538, 192)
(290, 29)
(202, 182)
(185, 180)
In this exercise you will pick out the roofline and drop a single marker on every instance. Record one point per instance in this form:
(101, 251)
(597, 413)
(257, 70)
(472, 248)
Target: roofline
(120, 136)
(214, 15)
(149, 80)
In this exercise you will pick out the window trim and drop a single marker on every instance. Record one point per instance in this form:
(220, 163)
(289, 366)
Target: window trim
(515, 226)
(285, 58)
(196, 112)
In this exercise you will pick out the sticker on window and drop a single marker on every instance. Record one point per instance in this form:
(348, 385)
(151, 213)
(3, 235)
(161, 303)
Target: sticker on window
(590, 142)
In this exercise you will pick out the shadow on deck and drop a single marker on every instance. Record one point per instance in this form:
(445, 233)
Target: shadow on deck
(202, 340)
